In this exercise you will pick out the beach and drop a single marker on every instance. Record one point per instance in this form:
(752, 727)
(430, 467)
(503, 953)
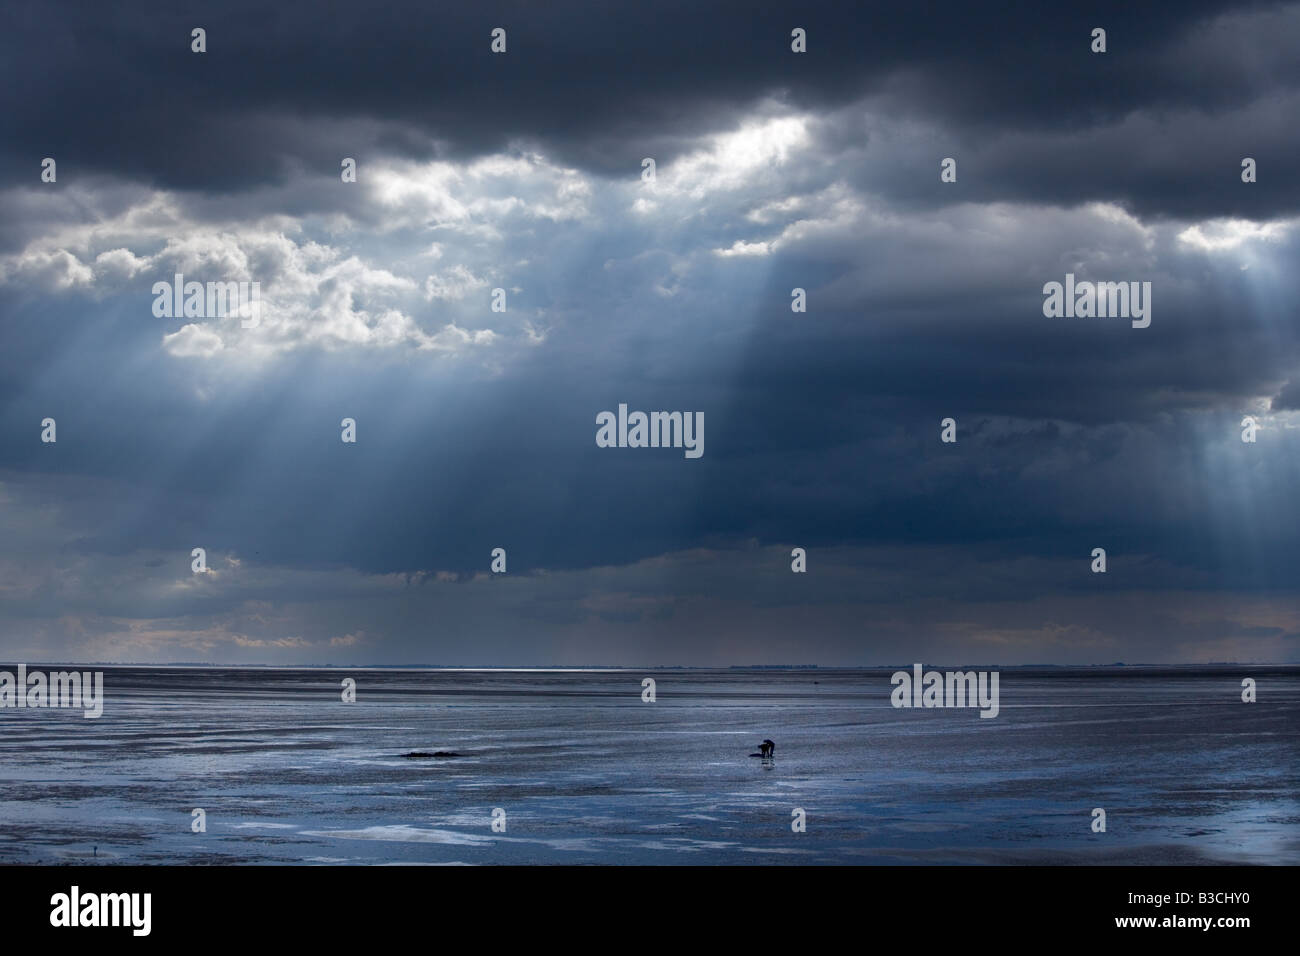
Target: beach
(584, 771)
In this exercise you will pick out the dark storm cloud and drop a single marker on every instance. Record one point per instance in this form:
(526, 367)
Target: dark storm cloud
(1156, 122)
(822, 428)
(1289, 397)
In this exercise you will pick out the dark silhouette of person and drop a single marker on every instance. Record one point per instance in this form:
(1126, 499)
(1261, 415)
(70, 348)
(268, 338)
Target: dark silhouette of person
(767, 748)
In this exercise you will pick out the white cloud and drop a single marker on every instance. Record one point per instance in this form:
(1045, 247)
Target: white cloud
(735, 159)
(1222, 235)
(193, 341)
(456, 283)
(742, 248)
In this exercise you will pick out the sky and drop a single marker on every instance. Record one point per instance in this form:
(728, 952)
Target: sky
(774, 170)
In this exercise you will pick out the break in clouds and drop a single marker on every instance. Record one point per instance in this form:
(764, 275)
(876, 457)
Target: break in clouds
(463, 254)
